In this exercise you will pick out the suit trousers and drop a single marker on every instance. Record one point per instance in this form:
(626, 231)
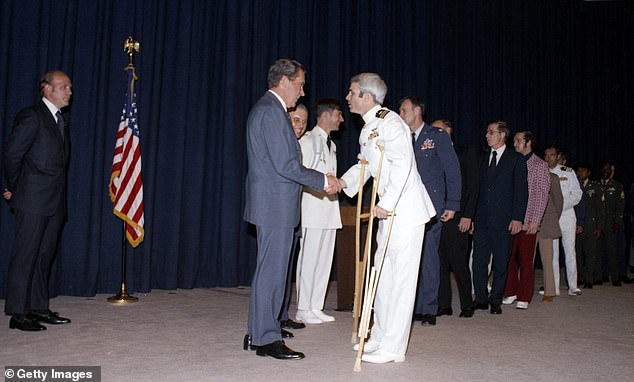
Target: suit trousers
(30, 265)
(396, 290)
(454, 257)
(520, 277)
(609, 244)
(568, 226)
(317, 247)
(289, 276)
(546, 253)
(268, 285)
(487, 243)
(586, 248)
(429, 275)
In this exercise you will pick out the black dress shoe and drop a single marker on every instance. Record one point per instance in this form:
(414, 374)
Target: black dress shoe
(428, 319)
(598, 282)
(246, 343)
(290, 324)
(480, 306)
(496, 309)
(287, 334)
(278, 350)
(466, 313)
(418, 317)
(49, 318)
(22, 322)
(625, 280)
(587, 286)
(444, 311)
(616, 283)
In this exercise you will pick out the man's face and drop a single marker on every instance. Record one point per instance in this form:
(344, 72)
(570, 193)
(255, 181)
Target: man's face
(59, 90)
(299, 120)
(355, 103)
(583, 173)
(606, 171)
(409, 113)
(520, 144)
(332, 120)
(293, 89)
(495, 139)
(441, 125)
(550, 156)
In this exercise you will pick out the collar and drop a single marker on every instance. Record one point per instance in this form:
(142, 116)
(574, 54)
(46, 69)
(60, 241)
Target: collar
(319, 131)
(417, 131)
(279, 99)
(370, 115)
(52, 108)
(500, 150)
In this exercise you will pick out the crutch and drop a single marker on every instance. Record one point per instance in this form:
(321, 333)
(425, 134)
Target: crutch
(359, 266)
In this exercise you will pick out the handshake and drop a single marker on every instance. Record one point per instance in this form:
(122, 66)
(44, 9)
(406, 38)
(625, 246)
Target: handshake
(334, 185)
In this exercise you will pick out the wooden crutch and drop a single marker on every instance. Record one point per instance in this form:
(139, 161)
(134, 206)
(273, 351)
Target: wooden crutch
(359, 266)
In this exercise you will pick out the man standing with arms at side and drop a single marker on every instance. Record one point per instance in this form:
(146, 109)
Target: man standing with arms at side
(499, 216)
(567, 222)
(611, 206)
(520, 278)
(320, 217)
(35, 162)
(273, 187)
(439, 170)
(404, 197)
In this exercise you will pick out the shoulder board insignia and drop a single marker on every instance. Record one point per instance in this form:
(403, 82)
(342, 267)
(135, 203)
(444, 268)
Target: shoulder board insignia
(382, 113)
(563, 168)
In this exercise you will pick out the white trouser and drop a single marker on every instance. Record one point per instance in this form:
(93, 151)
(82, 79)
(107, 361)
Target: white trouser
(568, 226)
(313, 267)
(394, 304)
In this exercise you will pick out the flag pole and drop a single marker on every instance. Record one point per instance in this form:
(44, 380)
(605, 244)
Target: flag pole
(131, 47)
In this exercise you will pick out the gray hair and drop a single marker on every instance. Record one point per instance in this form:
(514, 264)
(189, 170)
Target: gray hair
(283, 67)
(371, 83)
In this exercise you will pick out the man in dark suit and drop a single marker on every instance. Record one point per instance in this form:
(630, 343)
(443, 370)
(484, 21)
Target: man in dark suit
(454, 239)
(500, 213)
(273, 188)
(439, 170)
(35, 162)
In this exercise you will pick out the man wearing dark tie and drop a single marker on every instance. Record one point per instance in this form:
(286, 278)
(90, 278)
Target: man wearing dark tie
(499, 216)
(35, 162)
(273, 187)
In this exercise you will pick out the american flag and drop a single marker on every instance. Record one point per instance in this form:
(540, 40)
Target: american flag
(126, 182)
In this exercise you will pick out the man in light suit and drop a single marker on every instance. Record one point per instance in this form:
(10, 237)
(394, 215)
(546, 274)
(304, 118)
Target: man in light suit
(402, 197)
(320, 217)
(439, 170)
(499, 216)
(35, 162)
(273, 187)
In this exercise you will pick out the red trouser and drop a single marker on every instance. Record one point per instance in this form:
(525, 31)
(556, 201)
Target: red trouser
(521, 283)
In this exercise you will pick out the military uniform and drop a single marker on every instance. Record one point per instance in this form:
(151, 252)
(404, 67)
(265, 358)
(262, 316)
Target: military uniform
(611, 205)
(586, 241)
(572, 193)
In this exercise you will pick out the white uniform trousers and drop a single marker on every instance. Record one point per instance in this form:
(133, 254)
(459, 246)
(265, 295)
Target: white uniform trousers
(568, 226)
(317, 247)
(396, 292)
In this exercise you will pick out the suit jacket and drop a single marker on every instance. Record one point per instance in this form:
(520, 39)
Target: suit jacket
(549, 228)
(275, 174)
(470, 181)
(503, 191)
(319, 210)
(438, 167)
(35, 162)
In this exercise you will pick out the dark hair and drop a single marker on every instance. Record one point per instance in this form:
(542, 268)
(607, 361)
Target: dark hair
(585, 165)
(47, 78)
(283, 67)
(528, 137)
(416, 102)
(327, 105)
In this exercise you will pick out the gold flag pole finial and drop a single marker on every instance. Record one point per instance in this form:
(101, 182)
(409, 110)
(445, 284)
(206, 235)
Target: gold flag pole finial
(131, 47)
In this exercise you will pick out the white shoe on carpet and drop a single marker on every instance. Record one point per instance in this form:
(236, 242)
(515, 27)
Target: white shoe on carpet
(380, 356)
(521, 305)
(509, 300)
(307, 317)
(369, 347)
(322, 316)
(575, 292)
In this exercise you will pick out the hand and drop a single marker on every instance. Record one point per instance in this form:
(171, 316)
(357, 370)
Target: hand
(579, 230)
(532, 228)
(464, 225)
(616, 227)
(515, 227)
(333, 184)
(380, 212)
(7, 194)
(597, 233)
(447, 215)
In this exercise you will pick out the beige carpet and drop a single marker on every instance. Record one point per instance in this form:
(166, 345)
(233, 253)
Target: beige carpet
(196, 335)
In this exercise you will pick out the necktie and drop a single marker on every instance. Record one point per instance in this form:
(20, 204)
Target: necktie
(414, 141)
(60, 123)
(493, 162)
(328, 140)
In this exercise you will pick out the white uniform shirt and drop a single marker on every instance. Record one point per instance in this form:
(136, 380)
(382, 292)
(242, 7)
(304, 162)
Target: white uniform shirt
(570, 188)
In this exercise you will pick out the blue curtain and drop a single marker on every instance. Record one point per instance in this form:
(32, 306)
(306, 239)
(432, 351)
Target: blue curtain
(559, 68)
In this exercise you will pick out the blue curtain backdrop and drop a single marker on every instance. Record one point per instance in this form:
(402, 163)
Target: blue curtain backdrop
(560, 68)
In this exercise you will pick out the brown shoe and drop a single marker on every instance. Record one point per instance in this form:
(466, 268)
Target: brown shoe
(547, 299)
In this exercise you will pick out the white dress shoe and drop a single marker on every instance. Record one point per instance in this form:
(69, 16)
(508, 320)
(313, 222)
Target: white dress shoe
(322, 316)
(509, 300)
(307, 317)
(382, 357)
(369, 347)
(575, 292)
(521, 305)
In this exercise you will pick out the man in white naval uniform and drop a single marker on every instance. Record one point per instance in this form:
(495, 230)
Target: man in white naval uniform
(403, 196)
(320, 217)
(567, 222)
